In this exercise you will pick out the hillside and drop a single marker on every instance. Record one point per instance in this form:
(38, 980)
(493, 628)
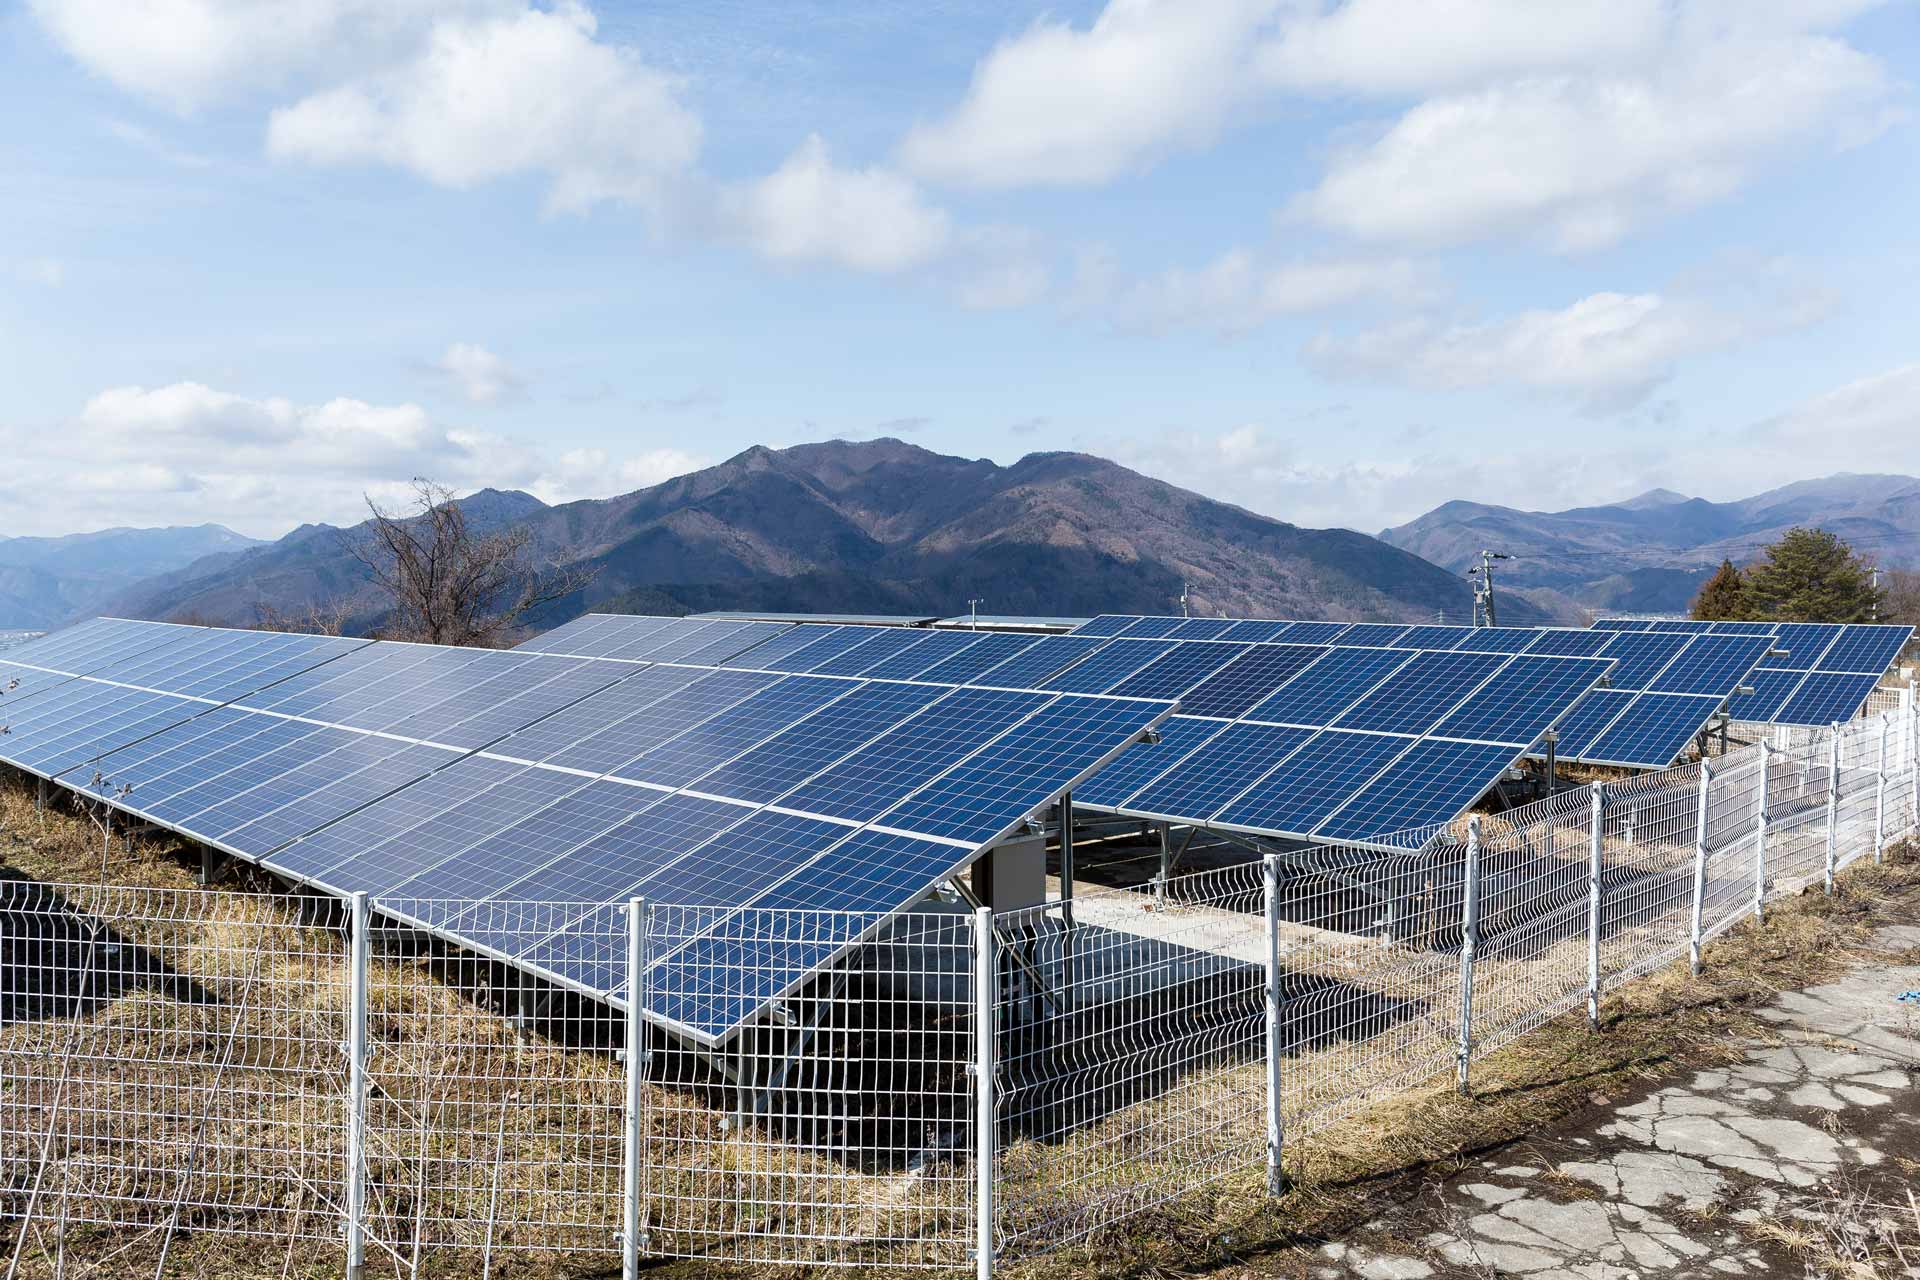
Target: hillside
(1651, 553)
(45, 581)
(886, 526)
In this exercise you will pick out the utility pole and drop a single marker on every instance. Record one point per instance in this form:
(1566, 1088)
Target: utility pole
(1873, 609)
(1183, 599)
(1483, 588)
(973, 612)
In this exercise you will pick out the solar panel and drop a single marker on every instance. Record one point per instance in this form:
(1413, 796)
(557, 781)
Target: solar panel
(1566, 642)
(935, 647)
(1654, 728)
(1431, 783)
(1322, 691)
(1151, 628)
(777, 654)
(686, 756)
(1522, 700)
(1106, 625)
(1432, 637)
(1865, 650)
(1112, 663)
(1373, 633)
(1174, 673)
(1034, 663)
(1499, 639)
(1743, 628)
(974, 661)
(1825, 697)
(1248, 679)
(1710, 664)
(1622, 624)
(1588, 719)
(1142, 763)
(1680, 625)
(1256, 631)
(1641, 656)
(795, 754)
(1225, 765)
(1312, 632)
(890, 643)
(1200, 629)
(1804, 644)
(1318, 778)
(1412, 698)
(1771, 689)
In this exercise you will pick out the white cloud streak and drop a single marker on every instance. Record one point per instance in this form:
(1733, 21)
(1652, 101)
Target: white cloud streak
(479, 375)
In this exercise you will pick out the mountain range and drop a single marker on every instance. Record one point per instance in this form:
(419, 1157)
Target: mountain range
(1651, 553)
(878, 526)
(46, 581)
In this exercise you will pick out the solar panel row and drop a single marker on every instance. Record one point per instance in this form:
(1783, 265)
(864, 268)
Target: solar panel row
(446, 780)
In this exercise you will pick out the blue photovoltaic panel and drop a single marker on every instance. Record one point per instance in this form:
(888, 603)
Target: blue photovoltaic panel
(1432, 637)
(934, 647)
(1255, 631)
(750, 637)
(1653, 730)
(1200, 629)
(1428, 785)
(143, 764)
(1680, 625)
(1141, 763)
(1320, 693)
(790, 757)
(1743, 628)
(1588, 719)
(868, 782)
(1151, 628)
(1566, 642)
(1025, 768)
(517, 706)
(423, 802)
(659, 720)
(1771, 689)
(1242, 683)
(890, 643)
(778, 653)
(1499, 639)
(1114, 662)
(1174, 673)
(1641, 655)
(1312, 782)
(85, 645)
(382, 867)
(1313, 632)
(687, 756)
(741, 861)
(1522, 700)
(627, 637)
(1374, 633)
(1865, 650)
(311, 764)
(231, 775)
(1711, 664)
(1826, 696)
(1217, 771)
(690, 638)
(988, 652)
(1622, 624)
(1107, 624)
(554, 733)
(1033, 664)
(181, 788)
(1420, 692)
(562, 638)
(1805, 644)
(328, 791)
(19, 683)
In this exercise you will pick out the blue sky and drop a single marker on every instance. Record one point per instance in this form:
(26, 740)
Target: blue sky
(1334, 262)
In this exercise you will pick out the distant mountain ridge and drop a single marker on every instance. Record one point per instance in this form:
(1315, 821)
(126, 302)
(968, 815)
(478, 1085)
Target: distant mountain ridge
(45, 581)
(882, 526)
(1650, 553)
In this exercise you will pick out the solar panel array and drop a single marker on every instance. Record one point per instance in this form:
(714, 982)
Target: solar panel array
(1306, 740)
(1820, 673)
(466, 777)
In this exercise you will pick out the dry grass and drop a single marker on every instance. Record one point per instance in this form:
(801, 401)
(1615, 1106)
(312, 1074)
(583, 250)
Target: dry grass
(473, 1124)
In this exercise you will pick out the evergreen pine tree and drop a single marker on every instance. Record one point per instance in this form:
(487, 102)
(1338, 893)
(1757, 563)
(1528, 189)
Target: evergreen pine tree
(1810, 575)
(1722, 596)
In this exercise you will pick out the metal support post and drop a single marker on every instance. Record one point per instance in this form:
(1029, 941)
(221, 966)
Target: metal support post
(1761, 823)
(1166, 865)
(40, 795)
(1913, 756)
(1833, 804)
(1066, 859)
(986, 988)
(634, 1060)
(1276, 1024)
(359, 953)
(1699, 870)
(1469, 943)
(1595, 850)
(1880, 793)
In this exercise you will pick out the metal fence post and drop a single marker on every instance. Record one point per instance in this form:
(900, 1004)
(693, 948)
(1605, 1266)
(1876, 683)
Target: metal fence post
(1469, 944)
(1596, 848)
(1833, 804)
(1761, 821)
(1913, 756)
(359, 960)
(1695, 934)
(986, 989)
(634, 1061)
(1880, 793)
(1276, 1024)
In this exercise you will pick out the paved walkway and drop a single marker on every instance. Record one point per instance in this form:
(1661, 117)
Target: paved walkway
(1701, 1179)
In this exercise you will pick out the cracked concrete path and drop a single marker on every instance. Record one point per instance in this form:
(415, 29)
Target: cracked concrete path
(1701, 1178)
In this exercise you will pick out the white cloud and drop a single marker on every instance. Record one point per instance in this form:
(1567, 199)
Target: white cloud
(1582, 159)
(185, 54)
(161, 454)
(1608, 351)
(1059, 106)
(1859, 426)
(480, 375)
(1238, 291)
(487, 98)
(50, 272)
(810, 210)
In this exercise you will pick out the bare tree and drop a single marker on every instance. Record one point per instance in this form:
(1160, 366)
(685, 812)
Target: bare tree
(324, 618)
(449, 584)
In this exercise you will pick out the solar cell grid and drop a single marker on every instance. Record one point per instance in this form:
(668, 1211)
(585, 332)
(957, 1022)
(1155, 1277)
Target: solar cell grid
(1430, 784)
(1312, 782)
(324, 798)
(1865, 650)
(1641, 656)
(746, 724)
(1420, 692)
(1152, 628)
(1143, 762)
(1245, 681)
(1322, 691)
(1771, 689)
(1622, 624)
(1710, 664)
(1373, 633)
(741, 861)
(1200, 629)
(1804, 643)
(1433, 636)
(934, 647)
(1255, 631)
(970, 664)
(1499, 639)
(659, 720)
(788, 758)
(1173, 673)
(1034, 663)
(828, 645)
(1107, 624)
(1522, 700)
(1654, 729)
(1569, 643)
(1826, 696)
(1213, 774)
(891, 642)
(1313, 632)
(1112, 663)
(743, 640)
(1588, 719)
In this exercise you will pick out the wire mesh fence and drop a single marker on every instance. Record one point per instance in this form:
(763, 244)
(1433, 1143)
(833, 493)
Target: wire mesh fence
(830, 1087)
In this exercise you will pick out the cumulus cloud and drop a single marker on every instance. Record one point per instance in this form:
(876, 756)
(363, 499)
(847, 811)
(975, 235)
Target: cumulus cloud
(1239, 290)
(811, 210)
(479, 375)
(159, 454)
(1607, 351)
